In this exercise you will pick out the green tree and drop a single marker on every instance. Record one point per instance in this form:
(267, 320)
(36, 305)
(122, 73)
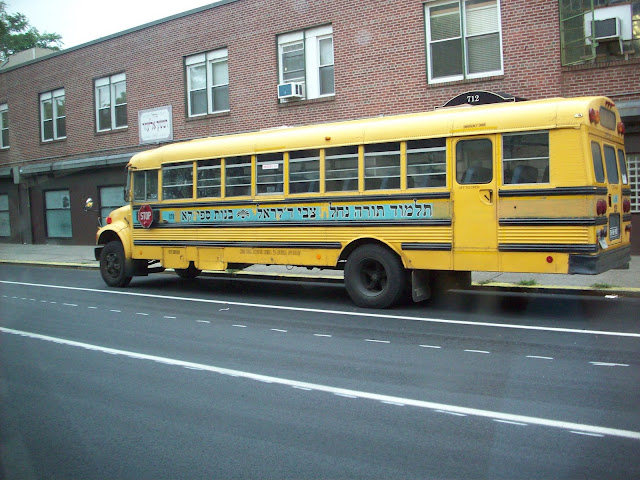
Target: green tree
(17, 35)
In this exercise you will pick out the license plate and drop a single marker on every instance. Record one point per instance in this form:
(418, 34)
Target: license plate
(614, 226)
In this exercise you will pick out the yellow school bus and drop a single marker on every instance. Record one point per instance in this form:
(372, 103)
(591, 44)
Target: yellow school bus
(406, 204)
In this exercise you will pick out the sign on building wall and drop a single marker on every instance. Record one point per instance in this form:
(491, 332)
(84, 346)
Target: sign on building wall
(155, 125)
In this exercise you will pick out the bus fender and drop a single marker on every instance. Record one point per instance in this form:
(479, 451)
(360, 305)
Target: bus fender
(420, 285)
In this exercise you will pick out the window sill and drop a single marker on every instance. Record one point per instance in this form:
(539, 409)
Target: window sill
(55, 140)
(466, 81)
(589, 65)
(113, 130)
(310, 101)
(209, 116)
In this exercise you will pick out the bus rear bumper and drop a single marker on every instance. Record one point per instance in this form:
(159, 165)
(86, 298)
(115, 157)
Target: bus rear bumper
(595, 264)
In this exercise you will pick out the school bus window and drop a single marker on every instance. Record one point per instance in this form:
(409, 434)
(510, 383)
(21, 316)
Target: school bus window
(341, 169)
(304, 171)
(623, 167)
(145, 185)
(382, 166)
(597, 162)
(611, 164)
(177, 181)
(525, 158)
(607, 118)
(237, 176)
(474, 161)
(208, 173)
(269, 173)
(426, 163)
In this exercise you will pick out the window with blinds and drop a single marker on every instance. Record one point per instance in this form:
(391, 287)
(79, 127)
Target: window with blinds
(464, 39)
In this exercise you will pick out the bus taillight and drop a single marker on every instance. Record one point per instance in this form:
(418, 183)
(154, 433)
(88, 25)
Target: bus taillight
(594, 116)
(601, 207)
(621, 128)
(626, 205)
(109, 220)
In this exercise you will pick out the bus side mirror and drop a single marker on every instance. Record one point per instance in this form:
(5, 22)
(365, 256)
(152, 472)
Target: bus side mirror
(125, 195)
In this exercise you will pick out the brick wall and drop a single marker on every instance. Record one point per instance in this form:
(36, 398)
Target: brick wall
(380, 68)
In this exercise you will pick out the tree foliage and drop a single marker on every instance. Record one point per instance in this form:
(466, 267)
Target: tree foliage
(17, 35)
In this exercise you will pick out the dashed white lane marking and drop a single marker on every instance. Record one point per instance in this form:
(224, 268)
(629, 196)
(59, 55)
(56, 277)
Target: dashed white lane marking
(239, 326)
(323, 335)
(430, 346)
(169, 317)
(373, 340)
(116, 311)
(93, 308)
(278, 330)
(457, 414)
(335, 312)
(477, 351)
(539, 357)
(70, 304)
(142, 313)
(203, 321)
(453, 409)
(606, 364)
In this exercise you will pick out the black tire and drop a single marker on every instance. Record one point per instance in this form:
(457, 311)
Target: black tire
(112, 265)
(374, 277)
(188, 273)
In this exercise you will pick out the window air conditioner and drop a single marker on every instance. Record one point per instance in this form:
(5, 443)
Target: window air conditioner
(290, 91)
(607, 29)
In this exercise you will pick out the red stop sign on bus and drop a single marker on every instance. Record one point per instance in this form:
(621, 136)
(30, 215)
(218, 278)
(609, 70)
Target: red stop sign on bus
(145, 216)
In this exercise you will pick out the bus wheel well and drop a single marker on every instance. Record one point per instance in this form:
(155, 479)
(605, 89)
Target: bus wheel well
(108, 236)
(348, 250)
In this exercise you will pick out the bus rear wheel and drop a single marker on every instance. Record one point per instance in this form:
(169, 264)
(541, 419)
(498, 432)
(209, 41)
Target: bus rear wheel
(112, 265)
(374, 277)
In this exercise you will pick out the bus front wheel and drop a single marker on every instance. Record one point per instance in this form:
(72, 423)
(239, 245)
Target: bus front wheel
(374, 277)
(112, 265)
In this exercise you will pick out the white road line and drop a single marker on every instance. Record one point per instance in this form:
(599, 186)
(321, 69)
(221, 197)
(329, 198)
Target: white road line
(454, 409)
(322, 335)
(169, 317)
(477, 351)
(70, 304)
(457, 414)
(539, 357)
(345, 395)
(93, 308)
(376, 341)
(239, 326)
(302, 388)
(589, 434)
(605, 364)
(142, 313)
(430, 346)
(278, 330)
(116, 311)
(396, 404)
(509, 422)
(203, 321)
(336, 312)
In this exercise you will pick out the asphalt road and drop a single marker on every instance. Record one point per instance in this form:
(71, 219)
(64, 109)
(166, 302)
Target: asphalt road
(261, 379)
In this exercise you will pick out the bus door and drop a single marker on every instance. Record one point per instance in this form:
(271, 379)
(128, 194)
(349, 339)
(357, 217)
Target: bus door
(475, 194)
(614, 196)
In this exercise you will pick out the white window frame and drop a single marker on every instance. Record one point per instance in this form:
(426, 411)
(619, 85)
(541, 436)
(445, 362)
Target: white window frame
(207, 60)
(310, 39)
(52, 97)
(112, 82)
(633, 173)
(463, 38)
(4, 125)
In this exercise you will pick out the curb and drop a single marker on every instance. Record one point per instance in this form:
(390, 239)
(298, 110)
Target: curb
(491, 286)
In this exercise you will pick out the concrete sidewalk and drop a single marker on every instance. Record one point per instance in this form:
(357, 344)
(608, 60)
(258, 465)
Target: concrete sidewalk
(613, 281)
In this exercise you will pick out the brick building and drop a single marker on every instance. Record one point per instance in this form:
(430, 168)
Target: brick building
(71, 120)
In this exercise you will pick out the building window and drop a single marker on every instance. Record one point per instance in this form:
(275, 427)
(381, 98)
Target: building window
(207, 82)
(633, 164)
(58, 213)
(4, 126)
(110, 199)
(464, 40)
(53, 120)
(111, 102)
(306, 57)
(5, 221)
